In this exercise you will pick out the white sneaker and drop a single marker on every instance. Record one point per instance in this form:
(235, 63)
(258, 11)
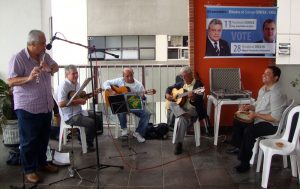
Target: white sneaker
(124, 132)
(139, 137)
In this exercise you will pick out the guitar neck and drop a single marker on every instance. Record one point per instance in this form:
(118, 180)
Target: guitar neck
(89, 95)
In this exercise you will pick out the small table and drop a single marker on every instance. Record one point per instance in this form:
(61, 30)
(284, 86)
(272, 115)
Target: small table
(218, 105)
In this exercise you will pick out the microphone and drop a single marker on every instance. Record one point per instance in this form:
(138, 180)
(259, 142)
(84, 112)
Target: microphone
(49, 45)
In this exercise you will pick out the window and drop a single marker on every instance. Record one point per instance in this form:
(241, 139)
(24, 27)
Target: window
(126, 47)
(178, 47)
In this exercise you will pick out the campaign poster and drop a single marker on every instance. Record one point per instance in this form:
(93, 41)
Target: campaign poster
(240, 32)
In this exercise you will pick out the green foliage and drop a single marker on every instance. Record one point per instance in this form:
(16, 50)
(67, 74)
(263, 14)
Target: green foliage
(6, 104)
(295, 82)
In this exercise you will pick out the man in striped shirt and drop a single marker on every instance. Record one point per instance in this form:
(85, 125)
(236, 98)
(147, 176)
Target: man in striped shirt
(30, 72)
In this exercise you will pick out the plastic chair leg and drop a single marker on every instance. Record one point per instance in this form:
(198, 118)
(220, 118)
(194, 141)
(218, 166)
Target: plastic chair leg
(175, 130)
(294, 165)
(254, 152)
(266, 169)
(259, 159)
(65, 136)
(285, 163)
(60, 139)
(83, 140)
(197, 132)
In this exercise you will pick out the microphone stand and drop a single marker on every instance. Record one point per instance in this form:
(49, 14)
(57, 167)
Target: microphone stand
(99, 165)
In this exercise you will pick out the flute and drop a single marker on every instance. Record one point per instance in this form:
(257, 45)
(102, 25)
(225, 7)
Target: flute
(37, 79)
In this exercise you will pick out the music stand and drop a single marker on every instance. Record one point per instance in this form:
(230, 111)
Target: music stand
(84, 84)
(118, 104)
(123, 103)
(98, 166)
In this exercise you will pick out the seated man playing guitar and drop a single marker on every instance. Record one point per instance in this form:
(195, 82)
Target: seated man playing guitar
(188, 106)
(129, 84)
(73, 114)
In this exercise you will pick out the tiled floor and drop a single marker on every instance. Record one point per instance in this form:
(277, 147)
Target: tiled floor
(203, 167)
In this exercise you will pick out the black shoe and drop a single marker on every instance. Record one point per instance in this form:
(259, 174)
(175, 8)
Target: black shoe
(99, 132)
(243, 167)
(234, 150)
(90, 149)
(178, 148)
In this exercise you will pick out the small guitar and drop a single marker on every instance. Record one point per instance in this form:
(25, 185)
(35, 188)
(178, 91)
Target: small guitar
(180, 96)
(83, 94)
(125, 89)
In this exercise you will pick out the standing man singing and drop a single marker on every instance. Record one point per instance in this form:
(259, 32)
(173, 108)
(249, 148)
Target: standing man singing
(30, 72)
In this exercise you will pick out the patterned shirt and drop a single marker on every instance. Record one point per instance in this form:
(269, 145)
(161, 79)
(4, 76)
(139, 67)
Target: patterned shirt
(32, 97)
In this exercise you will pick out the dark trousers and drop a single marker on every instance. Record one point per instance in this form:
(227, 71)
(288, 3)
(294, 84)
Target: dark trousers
(88, 123)
(245, 134)
(34, 137)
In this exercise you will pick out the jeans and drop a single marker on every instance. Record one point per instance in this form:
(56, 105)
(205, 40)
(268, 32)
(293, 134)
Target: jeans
(34, 137)
(144, 116)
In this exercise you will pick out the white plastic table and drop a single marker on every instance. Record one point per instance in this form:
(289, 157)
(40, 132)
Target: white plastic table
(218, 103)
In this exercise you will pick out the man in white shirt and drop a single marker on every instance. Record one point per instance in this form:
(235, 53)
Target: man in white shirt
(135, 86)
(266, 113)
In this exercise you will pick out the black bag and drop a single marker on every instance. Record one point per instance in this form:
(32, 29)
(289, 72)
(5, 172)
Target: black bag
(157, 131)
(14, 157)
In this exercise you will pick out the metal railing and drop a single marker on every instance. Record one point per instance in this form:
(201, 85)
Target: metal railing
(156, 76)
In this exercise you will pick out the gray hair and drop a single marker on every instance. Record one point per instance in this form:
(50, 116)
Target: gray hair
(34, 36)
(215, 22)
(186, 69)
(69, 68)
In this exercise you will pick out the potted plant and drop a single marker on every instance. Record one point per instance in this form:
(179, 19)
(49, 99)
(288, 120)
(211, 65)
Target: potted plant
(296, 82)
(8, 118)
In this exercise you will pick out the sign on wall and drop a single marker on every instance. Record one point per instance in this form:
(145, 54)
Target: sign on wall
(240, 31)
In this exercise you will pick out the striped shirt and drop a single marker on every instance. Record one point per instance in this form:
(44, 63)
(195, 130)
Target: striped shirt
(32, 97)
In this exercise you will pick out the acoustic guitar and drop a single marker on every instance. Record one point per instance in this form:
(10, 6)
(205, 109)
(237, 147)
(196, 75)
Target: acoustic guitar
(180, 96)
(83, 94)
(123, 90)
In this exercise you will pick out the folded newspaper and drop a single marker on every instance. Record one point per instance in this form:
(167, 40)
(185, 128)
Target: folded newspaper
(61, 158)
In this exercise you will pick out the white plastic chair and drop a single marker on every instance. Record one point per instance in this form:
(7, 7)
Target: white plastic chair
(278, 134)
(271, 147)
(63, 132)
(197, 131)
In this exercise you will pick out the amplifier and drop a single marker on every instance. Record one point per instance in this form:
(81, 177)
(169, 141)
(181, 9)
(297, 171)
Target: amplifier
(231, 95)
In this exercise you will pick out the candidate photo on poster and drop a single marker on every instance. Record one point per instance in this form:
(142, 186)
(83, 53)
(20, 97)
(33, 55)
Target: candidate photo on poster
(215, 46)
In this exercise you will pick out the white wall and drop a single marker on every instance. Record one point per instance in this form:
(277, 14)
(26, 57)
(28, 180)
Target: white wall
(70, 20)
(288, 30)
(137, 17)
(17, 18)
